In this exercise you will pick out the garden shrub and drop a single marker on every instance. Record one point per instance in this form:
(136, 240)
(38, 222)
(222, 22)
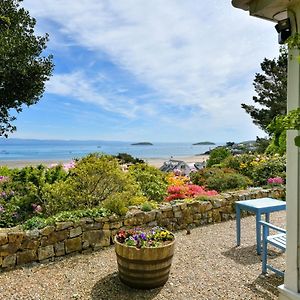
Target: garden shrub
(118, 203)
(152, 182)
(126, 158)
(220, 179)
(5, 171)
(146, 206)
(173, 179)
(257, 167)
(217, 155)
(40, 222)
(200, 177)
(21, 192)
(187, 191)
(243, 163)
(274, 166)
(59, 196)
(94, 179)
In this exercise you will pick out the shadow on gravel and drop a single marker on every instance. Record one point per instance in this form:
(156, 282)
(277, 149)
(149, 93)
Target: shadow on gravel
(248, 255)
(110, 287)
(243, 255)
(266, 286)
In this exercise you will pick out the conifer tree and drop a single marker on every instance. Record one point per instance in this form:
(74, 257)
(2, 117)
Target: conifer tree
(271, 90)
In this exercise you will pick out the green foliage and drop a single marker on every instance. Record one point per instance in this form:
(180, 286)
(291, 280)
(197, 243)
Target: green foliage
(278, 128)
(9, 217)
(271, 89)
(137, 200)
(36, 222)
(43, 192)
(243, 163)
(220, 179)
(5, 171)
(21, 193)
(202, 198)
(217, 155)
(146, 206)
(293, 41)
(258, 167)
(277, 146)
(273, 167)
(23, 69)
(224, 181)
(262, 144)
(149, 205)
(118, 203)
(75, 215)
(125, 158)
(57, 197)
(94, 179)
(152, 182)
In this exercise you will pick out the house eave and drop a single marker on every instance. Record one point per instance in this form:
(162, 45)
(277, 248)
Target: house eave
(243, 4)
(265, 9)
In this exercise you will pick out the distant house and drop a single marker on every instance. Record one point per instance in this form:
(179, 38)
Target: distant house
(173, 165)
(200, 165)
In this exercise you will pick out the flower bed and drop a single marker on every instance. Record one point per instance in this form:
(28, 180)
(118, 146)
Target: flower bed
(18, 247)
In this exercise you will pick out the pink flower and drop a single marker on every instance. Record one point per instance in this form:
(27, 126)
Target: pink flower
(187, 191)
(36, 208)
(174, 189)
(3, 178)
(275, 181)
(68, 166)
(177, 172)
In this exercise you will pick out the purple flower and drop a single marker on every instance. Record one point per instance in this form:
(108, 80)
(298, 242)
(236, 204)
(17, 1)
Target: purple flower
(2, 209)
(3, 194)
(143, 236)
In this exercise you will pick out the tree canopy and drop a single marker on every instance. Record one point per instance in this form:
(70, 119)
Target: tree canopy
(23, 69)
(271, 90)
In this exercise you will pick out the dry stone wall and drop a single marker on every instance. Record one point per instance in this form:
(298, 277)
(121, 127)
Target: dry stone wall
(18, 247)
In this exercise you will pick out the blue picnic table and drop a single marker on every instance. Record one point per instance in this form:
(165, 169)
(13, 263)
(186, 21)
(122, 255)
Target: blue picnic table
(258, 206)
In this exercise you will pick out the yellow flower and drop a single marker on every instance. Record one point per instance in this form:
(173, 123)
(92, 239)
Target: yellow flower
(163, 234)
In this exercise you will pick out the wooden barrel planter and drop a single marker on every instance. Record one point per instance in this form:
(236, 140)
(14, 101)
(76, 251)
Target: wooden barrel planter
(144, 268)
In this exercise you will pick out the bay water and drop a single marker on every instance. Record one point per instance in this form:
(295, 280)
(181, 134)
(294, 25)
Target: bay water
(25, 149)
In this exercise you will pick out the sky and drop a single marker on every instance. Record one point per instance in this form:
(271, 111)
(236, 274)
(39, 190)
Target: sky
(139, 70)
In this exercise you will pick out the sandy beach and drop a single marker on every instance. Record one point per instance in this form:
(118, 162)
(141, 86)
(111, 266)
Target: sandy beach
(156, 162)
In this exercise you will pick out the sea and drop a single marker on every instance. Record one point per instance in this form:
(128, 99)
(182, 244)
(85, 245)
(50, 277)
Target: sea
(25, 149)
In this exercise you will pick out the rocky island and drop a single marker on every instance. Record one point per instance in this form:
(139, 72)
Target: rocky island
(204, 143)
(142, 144)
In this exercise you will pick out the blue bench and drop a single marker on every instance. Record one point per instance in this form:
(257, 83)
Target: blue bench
(276, 240)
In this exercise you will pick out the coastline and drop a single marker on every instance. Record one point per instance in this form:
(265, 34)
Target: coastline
(156, 162)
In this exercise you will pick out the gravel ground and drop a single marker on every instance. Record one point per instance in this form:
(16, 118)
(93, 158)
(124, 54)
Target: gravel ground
(206, 265)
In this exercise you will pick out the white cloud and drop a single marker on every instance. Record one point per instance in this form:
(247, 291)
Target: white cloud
(77, 85)
(197, 54)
